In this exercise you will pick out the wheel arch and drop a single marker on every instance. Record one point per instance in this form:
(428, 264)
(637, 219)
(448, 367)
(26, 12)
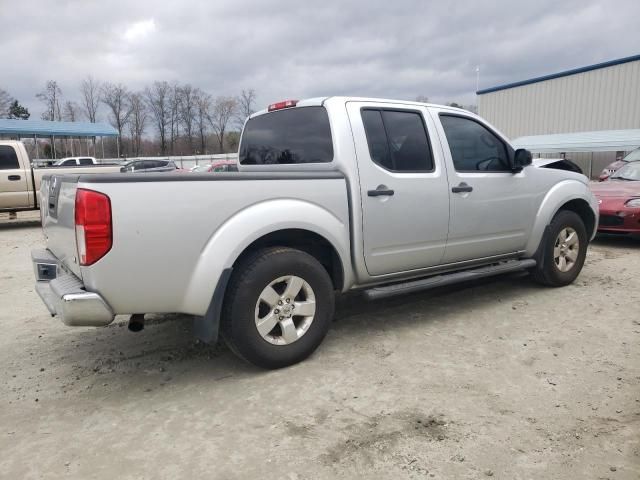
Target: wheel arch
(582, 208)
(307, 241)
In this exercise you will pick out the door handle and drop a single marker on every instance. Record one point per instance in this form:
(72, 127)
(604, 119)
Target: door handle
(463, 187)
(13, 178)
(380, 191)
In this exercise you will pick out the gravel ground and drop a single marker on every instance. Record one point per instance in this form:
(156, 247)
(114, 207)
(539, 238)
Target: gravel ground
(499, 378)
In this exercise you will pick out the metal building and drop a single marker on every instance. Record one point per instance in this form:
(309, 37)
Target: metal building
(605, 96)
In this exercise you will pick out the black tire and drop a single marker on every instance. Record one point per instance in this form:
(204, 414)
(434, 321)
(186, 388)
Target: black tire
(547, 272)
(250, 277)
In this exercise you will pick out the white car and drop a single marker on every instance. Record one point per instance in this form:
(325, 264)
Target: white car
(77, 161)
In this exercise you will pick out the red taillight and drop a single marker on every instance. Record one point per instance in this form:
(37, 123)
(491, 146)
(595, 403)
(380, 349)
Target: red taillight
(281, 105)
(93, 225)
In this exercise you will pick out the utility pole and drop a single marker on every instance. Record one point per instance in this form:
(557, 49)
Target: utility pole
(477, 77)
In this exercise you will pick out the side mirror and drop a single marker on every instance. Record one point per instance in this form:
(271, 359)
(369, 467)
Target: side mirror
(123, 169)
(522, 158)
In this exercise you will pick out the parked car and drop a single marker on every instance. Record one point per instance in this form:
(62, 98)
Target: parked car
(221, 166)
(615, 166)
(149, 166)
(20, 182)
(333, 194)
(75, 161)
(619, 200)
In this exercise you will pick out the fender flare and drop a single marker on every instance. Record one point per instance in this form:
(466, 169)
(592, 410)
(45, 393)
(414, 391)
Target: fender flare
(560, 194)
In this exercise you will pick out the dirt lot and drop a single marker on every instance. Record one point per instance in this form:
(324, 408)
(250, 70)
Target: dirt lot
(499, 379)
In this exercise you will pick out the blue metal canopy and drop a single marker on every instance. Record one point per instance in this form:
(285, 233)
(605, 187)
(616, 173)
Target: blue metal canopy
(45, 128)
(599, 141)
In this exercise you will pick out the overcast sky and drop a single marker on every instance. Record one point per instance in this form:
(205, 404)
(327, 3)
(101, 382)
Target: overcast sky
(297, 49)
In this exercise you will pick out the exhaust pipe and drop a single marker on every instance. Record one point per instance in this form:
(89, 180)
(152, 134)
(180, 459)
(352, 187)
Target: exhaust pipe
(136, 322)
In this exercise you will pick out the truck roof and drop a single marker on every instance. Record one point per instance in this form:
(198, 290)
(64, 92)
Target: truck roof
(318, 101)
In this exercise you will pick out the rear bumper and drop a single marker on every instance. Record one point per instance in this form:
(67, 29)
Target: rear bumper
(64, 294)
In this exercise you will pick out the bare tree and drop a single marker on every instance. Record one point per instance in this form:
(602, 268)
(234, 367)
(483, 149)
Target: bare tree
(5, 103)
(51, 96)
(203, 110)
(70, 111)
(188, 111)
(137, 120)
(91, 91)
(174, 116)
(422, 99)
(224, 109)
(246, 103)
(116, 97)
(157, 97)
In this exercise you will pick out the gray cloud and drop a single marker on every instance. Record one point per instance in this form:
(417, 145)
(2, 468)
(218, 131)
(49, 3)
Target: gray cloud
(293, 49)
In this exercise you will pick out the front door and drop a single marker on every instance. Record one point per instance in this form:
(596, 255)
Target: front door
(403, 188)
(491, 207)
(14, 192)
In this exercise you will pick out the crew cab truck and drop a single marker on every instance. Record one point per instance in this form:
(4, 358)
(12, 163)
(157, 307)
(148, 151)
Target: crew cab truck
(20, 183)
(332, 194)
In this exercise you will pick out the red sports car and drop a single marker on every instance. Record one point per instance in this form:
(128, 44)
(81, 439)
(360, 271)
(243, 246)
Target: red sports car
(614, 166)
(619, 200)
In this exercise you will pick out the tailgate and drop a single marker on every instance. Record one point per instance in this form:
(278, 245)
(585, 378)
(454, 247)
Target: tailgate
(57, 206)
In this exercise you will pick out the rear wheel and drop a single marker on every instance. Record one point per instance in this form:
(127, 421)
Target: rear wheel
(278, 307)
(563, 250)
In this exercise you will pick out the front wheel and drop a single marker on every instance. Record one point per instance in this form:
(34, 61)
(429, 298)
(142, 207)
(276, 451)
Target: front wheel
(278, 307)
(563, 250)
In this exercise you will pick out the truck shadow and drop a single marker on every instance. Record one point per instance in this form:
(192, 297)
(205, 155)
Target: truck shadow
(617, 241)
(16, 224)
(166, 352)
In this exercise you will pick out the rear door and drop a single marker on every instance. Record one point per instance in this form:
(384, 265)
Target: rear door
(14, 185)
(403, 187)
(491, 207)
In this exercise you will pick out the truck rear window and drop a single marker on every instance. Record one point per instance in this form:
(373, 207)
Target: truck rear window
(8, 158)
(295, 135)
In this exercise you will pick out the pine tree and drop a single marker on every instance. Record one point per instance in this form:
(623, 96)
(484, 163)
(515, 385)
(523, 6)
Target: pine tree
(18, 112)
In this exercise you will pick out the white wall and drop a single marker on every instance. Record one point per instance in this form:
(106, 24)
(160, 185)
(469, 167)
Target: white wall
(602, 99)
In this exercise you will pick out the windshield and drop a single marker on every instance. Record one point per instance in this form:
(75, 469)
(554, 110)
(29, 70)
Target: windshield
(633, 156)
(631, 171)
(295, 135)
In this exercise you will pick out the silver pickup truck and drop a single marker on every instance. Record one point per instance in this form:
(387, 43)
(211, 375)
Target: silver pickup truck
(333, 194)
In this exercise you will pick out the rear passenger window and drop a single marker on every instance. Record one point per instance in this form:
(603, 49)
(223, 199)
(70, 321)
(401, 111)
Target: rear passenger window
(473, 146)
(86, 161)
(377, 138)
(8, 158)
(398, 140)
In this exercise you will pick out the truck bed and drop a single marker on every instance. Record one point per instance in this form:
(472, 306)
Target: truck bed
(163, 224)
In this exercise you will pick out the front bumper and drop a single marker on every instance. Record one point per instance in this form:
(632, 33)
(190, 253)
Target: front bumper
(65, 296)
(624, 220)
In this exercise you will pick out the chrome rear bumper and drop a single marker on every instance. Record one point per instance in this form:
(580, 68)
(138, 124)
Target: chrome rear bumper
(65, 296)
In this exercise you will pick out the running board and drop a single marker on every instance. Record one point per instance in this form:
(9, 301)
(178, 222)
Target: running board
(448, 279)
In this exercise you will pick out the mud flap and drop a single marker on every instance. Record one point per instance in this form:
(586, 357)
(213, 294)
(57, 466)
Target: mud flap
(206, 328)
(539, 256)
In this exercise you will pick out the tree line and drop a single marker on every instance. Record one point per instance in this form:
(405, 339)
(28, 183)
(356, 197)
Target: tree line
(163, 118)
